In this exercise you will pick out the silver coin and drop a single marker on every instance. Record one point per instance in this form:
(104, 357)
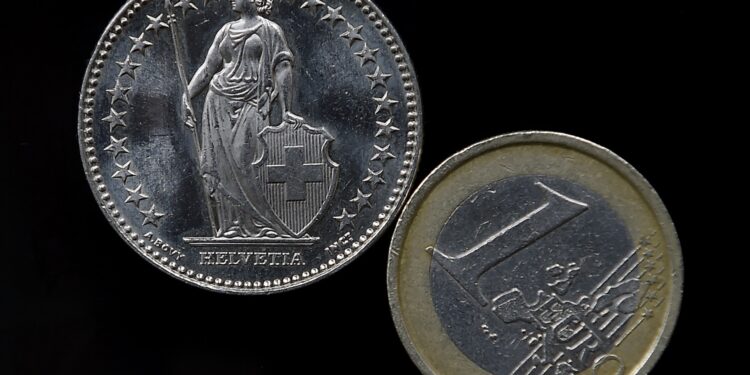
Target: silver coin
(535, 253)
(250, 146)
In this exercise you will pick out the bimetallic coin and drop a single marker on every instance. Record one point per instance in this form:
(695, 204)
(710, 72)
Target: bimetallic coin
(250, 146)
(535, 254)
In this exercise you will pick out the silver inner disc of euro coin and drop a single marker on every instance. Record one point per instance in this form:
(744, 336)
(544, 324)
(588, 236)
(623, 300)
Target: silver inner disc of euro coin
(537, 275)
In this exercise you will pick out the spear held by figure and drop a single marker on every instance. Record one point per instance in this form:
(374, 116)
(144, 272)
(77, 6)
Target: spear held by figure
(190, 120)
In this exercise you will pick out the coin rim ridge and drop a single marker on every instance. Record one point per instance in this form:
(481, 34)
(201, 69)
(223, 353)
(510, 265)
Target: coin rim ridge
(600, 153)
(126, 12)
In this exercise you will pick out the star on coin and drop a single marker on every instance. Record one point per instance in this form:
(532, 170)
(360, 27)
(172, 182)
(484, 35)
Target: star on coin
(647, 313)
(651, 280)
(353, 34)
(367, 54)
(123, 172)
(362, 200)
(345, 219)
(374, 178)
(333, 15)
(649, 266)
(382, 154)
(115, 120)
(378, 78)
(119, 93)
(117, 146)
(651, 296)
(140, 43)
(313, 6)
(152, 217)
(128, 67)
(644, 242)
(385, 102)
(186, 6)
(386, 128)
(136, 196)
(156, 24)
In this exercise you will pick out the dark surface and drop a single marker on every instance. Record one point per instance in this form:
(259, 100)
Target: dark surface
(77, 300)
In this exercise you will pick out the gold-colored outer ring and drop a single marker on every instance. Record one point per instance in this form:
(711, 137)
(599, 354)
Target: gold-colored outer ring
(527, 153)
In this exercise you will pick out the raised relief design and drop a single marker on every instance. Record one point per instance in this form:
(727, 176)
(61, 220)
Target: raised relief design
(124, 172)
(265, 183)
(117, 147)
(649, 261)
(570, 332)
(345, 219)
(186, 6)
(151, 216)
(115, 120)
(119, 76)
(135, 196)
(140, 44)
(120, 98)
(362, 200)
(385, 105)
(120, 93)
(367, 54)
(352, 34)
(469, 265)
(156, 24)
(312, 5)
(382, 154)
(128, 67)
(333, 15)
(385, 102)
(608, 360)
(378, 78)
(298, 175)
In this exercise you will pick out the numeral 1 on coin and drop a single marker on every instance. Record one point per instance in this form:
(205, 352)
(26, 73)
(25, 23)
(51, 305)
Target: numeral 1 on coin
(468, 266)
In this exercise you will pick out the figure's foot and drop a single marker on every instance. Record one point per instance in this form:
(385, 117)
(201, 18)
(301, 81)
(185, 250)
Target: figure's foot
(268, 233)
(233, 232)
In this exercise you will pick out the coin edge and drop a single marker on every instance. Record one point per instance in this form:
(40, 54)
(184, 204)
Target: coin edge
(365, 6)
(604, 155)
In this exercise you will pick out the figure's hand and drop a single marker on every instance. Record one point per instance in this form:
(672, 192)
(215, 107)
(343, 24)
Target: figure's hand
(186, 109)
(293, 120)
(264, 107)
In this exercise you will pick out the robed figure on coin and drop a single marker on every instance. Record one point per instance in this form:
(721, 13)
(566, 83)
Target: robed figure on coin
(250, 146)
(247, 71)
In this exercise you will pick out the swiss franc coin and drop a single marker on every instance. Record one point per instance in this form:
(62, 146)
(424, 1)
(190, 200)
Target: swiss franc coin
(250, 146)
(535, 254)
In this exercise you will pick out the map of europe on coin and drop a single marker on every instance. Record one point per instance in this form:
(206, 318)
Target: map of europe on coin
(250, 146)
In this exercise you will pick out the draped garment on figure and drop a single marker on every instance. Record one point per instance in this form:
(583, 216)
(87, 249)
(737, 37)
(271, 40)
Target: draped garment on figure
(236, 110)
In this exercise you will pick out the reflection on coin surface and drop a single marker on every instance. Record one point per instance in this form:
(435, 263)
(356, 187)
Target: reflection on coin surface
(535, 254)
(250, 146)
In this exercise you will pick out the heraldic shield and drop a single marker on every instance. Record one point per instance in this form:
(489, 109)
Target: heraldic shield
(297, 174)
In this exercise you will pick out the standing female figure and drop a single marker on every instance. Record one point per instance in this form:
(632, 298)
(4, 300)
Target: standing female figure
(247, 69)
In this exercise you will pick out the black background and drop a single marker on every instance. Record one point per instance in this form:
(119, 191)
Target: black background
(77, 300)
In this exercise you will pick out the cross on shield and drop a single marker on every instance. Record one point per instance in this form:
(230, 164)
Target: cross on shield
(297, 174)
